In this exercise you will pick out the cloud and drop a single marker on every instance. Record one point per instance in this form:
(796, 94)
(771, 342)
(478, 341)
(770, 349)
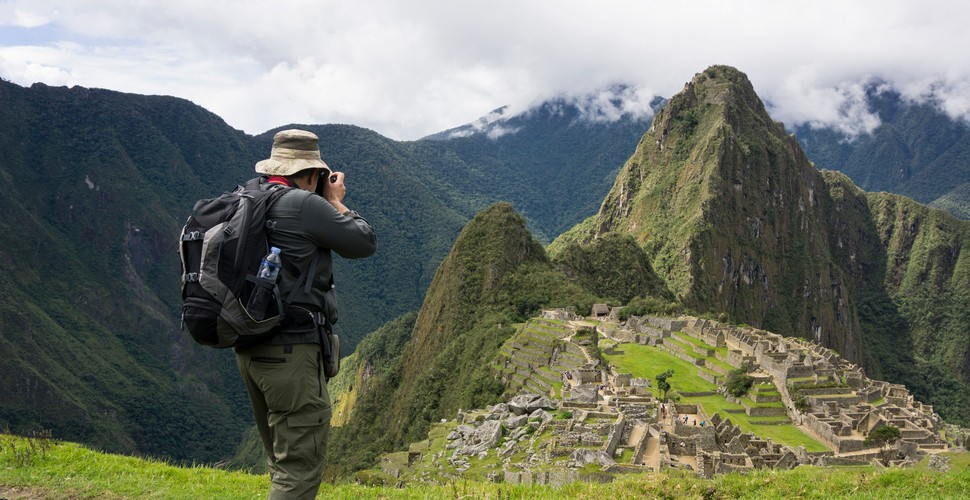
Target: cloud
(611, 104)
(409, 69)
(802, 100)
(950, 96)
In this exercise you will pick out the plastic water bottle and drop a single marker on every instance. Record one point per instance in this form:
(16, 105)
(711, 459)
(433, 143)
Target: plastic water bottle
(269, 271)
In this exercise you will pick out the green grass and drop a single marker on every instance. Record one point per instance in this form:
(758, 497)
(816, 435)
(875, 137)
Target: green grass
(958, 460)
(788, 435)
(752, 404)
(72, 471)
(718, 362)
(700, 343)
(684, 346)
(648, 362)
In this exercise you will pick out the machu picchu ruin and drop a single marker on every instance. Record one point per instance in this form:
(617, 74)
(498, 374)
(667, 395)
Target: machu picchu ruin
(584, 402)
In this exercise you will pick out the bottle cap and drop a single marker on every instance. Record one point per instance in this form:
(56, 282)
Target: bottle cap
(274, 250)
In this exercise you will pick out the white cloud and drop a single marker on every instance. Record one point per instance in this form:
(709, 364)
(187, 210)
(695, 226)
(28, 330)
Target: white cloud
(611, 104)
(802, 100)
(408, 69)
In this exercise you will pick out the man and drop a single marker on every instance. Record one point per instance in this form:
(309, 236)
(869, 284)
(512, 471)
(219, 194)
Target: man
(285, 376)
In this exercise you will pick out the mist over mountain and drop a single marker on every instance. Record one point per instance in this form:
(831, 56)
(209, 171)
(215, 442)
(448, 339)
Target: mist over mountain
(915, 150)
(555, 161)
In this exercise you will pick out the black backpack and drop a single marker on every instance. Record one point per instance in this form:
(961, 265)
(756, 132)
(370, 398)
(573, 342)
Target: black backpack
(221, 247)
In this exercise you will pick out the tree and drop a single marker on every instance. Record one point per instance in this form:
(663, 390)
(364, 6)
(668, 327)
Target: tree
(739, 382)
(662, 383)
(884, 435)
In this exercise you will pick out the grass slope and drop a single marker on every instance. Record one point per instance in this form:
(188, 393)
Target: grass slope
(67, 470)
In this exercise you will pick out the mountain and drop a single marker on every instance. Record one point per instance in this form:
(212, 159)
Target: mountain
(90, 337)
(917, 151)
(496, 274)
(554, 162)
(97, 186)
(736, 220)
(957, 201)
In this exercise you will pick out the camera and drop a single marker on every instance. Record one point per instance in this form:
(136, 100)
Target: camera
(326, 176)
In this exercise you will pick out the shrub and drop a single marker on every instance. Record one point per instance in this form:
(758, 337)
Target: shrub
(739, 382)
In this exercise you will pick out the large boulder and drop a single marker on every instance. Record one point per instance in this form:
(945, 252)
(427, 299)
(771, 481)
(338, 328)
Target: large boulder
(583, 456)
(517, 421)
(520, 403)
(541, 403)
(541, 416)
(484, 437)
(583, 394)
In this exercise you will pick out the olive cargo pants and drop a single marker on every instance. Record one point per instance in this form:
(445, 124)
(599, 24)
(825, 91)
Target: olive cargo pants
(291, 406)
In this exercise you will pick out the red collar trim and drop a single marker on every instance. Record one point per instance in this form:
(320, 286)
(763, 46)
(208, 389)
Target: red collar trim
(278, 179)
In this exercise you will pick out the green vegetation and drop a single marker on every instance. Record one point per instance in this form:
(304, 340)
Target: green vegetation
(644, 306)
(882, 436)
(497, 275)
(663, 383)
(71, 471)
(957, 201)
(614, 267)
(739, 382)
(958, 461)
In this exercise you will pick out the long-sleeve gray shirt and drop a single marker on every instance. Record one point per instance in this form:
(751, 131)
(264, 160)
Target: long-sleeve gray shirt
(308, 226)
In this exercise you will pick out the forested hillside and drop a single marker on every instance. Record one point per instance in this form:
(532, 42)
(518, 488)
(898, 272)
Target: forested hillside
(98, 184)
(917, 151)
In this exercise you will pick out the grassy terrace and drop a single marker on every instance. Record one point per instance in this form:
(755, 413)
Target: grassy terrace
(648, 362)
(696, 347)
(753, 404)
(686, 347)
(701, 344)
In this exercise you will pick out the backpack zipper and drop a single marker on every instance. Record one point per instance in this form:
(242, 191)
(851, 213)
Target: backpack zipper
(240, 244)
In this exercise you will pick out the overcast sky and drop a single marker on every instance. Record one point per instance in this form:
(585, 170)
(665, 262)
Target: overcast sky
(411, 68)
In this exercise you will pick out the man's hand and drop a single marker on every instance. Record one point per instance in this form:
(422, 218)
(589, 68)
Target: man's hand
(334, 190)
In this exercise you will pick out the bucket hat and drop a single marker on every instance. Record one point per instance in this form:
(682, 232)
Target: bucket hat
(293, 150)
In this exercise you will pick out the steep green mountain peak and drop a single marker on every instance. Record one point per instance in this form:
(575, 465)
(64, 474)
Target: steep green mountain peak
(493, 244)
(727, 207)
